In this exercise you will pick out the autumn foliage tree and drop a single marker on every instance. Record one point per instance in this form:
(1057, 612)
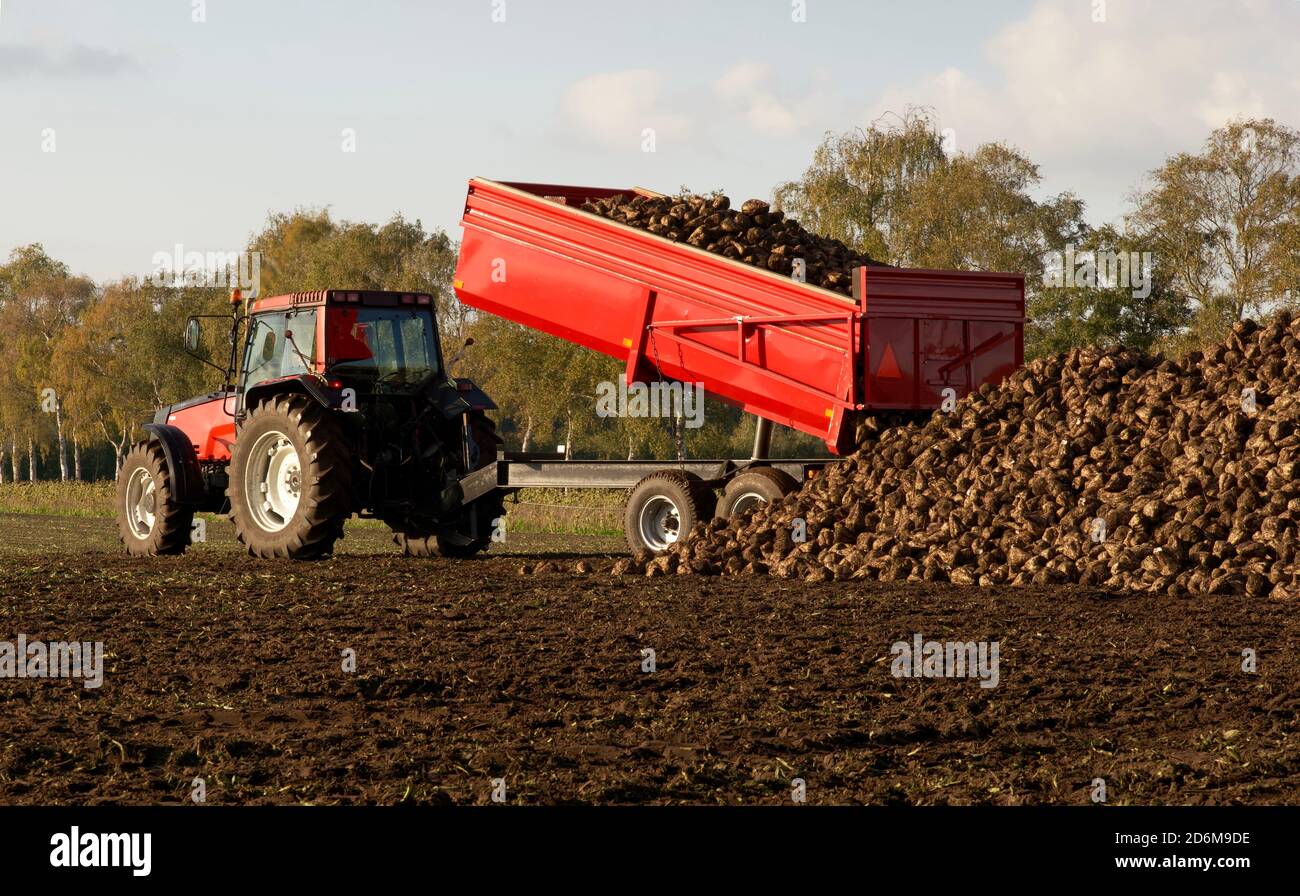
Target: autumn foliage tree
(39, 300)
(1225, 223)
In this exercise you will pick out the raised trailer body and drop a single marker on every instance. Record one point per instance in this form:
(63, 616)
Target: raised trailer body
(785, 350)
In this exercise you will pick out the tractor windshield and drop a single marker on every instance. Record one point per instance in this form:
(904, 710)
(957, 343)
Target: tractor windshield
(393, 345)
(280, 344)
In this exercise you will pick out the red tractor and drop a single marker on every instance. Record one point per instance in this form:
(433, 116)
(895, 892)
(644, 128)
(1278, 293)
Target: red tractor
(341, 405)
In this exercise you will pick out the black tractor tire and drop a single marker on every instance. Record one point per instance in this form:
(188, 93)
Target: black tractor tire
(478, 521)
(763, 485)
(309, 459)
(663, 507)
(149, 518)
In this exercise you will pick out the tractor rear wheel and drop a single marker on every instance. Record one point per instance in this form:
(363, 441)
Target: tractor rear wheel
(149, 518)
(290, 480)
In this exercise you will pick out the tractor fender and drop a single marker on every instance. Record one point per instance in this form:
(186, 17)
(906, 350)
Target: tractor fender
(182, 462)
(448, 402)
(299, 384)
(475, 397)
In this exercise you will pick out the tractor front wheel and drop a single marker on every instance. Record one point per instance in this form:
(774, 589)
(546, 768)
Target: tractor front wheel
(149, 518)
(290, 480)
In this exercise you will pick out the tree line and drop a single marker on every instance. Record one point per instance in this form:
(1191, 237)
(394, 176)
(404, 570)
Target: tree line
(1211, 236)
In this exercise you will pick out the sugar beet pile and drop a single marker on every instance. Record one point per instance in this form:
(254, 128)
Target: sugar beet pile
(1107, 468)
(754, 234)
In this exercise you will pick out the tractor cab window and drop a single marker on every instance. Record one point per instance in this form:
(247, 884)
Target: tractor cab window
(392, 345)
(271, 345)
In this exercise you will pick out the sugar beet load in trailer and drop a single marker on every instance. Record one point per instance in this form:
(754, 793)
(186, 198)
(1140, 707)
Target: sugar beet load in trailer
(339, 402)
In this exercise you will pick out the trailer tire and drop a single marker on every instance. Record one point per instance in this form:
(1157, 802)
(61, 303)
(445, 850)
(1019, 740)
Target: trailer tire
(748, 489)
(663, 507)
(306, 479)
(150, 519)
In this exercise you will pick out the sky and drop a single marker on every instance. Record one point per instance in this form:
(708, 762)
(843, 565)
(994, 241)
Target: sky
(129, 127)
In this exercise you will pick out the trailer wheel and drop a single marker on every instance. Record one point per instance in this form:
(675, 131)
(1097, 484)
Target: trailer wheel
(747, 490)
(290, 480)
(663, 507)
(149, 518)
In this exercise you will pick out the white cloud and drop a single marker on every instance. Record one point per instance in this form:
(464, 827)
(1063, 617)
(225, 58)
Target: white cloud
(1231, 95)
(1097, 104)
(739, 81)
(743, 86)
(615, 107)
(69, 61)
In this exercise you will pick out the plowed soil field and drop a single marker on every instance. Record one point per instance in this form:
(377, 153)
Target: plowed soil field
(230, 670)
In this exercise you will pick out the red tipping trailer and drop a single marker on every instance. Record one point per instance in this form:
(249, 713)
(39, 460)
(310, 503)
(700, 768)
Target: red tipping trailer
(785, 350)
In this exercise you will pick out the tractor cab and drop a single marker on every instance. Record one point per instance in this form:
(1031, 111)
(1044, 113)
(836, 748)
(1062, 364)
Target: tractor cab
(365, 341)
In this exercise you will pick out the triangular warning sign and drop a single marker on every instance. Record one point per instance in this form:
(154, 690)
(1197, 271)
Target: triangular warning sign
(888, 369)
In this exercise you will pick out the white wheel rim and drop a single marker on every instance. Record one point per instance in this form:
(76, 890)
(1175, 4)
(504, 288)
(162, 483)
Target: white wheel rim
(273, 481)
(746, 502)
(141, 505)
(660, 523)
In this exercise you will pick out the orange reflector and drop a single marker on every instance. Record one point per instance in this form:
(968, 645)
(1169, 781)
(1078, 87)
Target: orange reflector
(627, 343)
(888, 369)
(459, 284)
(830, 412)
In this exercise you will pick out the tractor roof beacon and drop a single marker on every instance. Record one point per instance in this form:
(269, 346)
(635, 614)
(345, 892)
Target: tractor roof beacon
(333, 403)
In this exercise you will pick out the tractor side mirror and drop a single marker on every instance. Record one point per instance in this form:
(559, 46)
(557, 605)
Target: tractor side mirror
(268, 347)
(193, 339)
(193, 335)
